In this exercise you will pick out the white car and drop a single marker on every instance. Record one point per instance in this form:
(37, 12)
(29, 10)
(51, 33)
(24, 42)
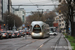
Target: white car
(55, 33)
(52, 33)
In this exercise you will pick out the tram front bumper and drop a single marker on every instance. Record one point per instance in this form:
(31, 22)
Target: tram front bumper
(36, 34)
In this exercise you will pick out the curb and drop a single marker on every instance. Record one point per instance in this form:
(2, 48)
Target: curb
(57, 42)
(69, 45)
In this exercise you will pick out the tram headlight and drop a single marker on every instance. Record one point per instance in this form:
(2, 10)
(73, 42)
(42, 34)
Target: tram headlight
(40, 33)
(32, 33)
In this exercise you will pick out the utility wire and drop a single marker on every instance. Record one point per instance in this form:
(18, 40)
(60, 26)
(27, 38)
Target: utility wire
(31, 2)
(41, 2)
(39, 5)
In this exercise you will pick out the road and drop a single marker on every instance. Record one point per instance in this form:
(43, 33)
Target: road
(32, 44)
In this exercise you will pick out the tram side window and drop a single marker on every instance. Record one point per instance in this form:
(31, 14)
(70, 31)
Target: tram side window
(37, 29)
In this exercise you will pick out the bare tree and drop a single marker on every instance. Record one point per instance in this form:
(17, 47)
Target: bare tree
(9, 20)
(40, 17)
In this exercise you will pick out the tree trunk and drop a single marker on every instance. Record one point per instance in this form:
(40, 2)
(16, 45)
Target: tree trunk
(67, 28)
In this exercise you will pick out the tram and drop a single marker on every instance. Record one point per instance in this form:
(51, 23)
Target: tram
(39, 29)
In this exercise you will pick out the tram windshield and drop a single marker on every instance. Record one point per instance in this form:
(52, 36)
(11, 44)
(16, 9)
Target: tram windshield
(37, 29)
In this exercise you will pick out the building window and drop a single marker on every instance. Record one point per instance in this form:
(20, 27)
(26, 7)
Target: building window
(59, 20)
(59, 24)
(59, 16)
(62, 20)
(62, 15)
(56, 21)
(62, 24)
(23, 12)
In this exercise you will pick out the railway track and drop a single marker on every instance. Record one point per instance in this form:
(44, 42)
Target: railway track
(27, 44)
(34, 42)
(48, 41)
(45, 43)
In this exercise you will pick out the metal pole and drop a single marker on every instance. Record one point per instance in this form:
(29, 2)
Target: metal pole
(2, 9)
(14, 22)
(8, 7)
(39, 13)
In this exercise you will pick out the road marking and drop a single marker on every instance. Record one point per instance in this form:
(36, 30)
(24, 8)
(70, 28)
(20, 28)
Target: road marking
(41, 45)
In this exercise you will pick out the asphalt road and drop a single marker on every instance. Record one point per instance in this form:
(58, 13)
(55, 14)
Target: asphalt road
(29, 43)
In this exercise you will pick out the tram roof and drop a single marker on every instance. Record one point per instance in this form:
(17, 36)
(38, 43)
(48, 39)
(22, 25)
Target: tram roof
(37, 22)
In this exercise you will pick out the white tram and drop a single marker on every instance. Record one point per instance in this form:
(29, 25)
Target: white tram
(39, 29)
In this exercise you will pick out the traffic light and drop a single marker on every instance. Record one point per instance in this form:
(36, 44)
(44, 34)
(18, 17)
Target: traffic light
(59, 0)
(59, 11)
(28, 26)
(4, 25)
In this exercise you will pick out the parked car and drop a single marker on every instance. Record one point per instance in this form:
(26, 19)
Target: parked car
(0, 35)
(14, 35)
(10, 32)
(27, 32)
(4, 34)
(17, 34)
(22, 32)
(53, 33)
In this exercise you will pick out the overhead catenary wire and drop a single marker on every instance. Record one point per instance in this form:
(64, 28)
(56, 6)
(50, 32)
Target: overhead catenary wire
(41, 2)
(31, 2)
(36, 3)
(40, 5)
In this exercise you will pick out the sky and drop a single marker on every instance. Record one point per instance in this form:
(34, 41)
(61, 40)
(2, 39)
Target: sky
(34, 2)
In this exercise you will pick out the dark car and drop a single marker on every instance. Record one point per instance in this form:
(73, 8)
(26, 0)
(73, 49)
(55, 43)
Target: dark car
(17, 34)
(0, 35)
(10, 32)
(4, 34)
(28, 32)
(22, 32)
(14, 35)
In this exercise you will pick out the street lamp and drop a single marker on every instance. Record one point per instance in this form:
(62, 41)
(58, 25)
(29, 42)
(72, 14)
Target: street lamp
(14, 27)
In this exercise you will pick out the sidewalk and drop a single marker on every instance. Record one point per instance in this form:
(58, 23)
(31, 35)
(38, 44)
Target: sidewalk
(62, 45)
(51, 44)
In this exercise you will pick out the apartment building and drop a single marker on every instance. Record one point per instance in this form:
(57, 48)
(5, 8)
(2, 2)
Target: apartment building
(1, 20)
(60, 20)
(21, 13)
(61, 1)
(3, 9)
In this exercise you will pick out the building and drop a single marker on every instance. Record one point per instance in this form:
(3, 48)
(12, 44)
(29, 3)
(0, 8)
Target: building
(5, 6)
(21, 13)
(1, 11)
(60, 20)
(61, 1)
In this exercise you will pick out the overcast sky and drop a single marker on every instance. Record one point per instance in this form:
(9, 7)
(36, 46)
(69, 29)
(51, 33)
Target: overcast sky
(34, 2)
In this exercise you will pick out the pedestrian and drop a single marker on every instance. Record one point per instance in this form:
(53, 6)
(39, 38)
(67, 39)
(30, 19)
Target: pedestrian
(25, 32)
(25, 36)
